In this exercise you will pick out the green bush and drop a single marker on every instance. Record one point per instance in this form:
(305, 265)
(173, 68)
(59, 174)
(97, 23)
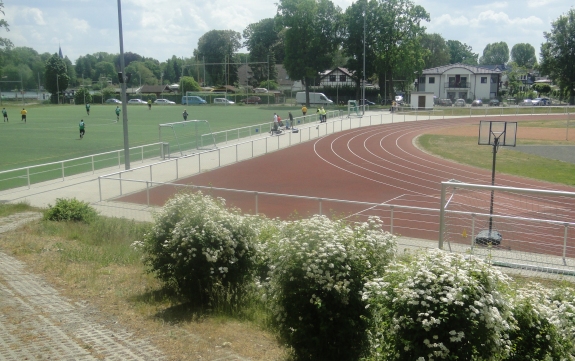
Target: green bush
(317, 271)
(70, 210)
(439, 306)
(539, 333)
(202, 249)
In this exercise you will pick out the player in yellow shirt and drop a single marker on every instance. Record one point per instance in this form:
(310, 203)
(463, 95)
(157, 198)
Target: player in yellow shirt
(23, 112)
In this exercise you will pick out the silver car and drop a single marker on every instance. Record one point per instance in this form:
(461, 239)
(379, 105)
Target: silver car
(459, 103)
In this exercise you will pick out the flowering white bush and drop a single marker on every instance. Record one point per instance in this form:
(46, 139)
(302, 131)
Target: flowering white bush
(439, 306)
(197, 245)
(317, 271)
(543, 329)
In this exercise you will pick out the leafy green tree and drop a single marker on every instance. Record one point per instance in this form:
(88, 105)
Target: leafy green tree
(495, 53)
(514, 74)
(437, 50)
(263, 40)
(141, 74)
(71, 71)
(542, 88)
(312, 35)
(219, 46)
(558, 54)
(106, 70)
(461, 53)
(82, 96)
(189, 84)
(4, 43)
(353, 39)
(108, 92)
(397, 44)
(270, 85)
(523, 54)
(56, 78)
(85, 67)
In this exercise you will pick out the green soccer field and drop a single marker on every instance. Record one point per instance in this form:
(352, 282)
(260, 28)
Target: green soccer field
(52, 134)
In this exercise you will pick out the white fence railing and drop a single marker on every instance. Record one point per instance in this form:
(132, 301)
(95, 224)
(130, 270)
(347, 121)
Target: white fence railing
(26, 176)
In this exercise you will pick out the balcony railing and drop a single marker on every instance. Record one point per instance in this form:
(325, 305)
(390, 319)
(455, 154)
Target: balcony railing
(460, 85)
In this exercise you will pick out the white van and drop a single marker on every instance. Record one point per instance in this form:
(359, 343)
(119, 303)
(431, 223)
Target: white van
(314, 98)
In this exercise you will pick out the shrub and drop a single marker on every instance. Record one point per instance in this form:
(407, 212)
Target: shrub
(440, 307)
(537, 333)
(70, 210)
(318, 268)
(201, 248)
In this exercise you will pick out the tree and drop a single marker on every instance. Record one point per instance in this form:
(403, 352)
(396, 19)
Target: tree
(219, 46)
(461, 53)
(312, 34)
(141, 74)
(558, 54)
(353, 39)
(495, 53)
(82, 96)
(56, 78)
(397, 42)
(106, 70)
(189, 84)
(263, 40)
(542, 88)
(4, 43)
(523, 54)
(438, 53)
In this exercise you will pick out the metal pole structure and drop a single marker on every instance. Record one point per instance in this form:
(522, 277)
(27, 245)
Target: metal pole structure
(123, 84)
(57, 89)
(495, 143)
(22, 89)
(363, 89)
(268, 83)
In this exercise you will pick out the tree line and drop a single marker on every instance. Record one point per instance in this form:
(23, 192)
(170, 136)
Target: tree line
(387, 37)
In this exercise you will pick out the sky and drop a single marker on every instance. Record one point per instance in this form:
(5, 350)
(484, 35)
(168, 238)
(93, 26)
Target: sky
(162, 28)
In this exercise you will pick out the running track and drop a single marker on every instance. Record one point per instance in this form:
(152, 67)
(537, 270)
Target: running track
(376, 164)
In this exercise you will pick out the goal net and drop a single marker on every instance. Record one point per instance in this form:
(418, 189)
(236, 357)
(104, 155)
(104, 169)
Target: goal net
(186, 137)
(519, 228)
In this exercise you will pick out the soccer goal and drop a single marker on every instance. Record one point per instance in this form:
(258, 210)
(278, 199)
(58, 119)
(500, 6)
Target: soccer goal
(536, 228)
(186, 137)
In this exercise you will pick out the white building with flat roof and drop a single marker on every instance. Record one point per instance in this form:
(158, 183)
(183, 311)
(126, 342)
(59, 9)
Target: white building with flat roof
(460, 81)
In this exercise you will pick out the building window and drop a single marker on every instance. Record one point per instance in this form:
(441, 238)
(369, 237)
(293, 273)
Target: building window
(422, 80)
(332, 78)
(342, 78)
(431, 80)
(483, 80)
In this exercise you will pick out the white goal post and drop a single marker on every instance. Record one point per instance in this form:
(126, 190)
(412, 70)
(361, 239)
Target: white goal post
(537, 227)
(186, 136)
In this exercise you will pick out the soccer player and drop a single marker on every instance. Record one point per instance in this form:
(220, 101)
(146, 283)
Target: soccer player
(5, 114)
(82, 128)
(118, 113)
(23, 112)
(88, 108)
(149, 104)
(304, 110)
(185, 114)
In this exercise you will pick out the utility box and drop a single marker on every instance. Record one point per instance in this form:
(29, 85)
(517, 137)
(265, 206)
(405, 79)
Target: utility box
(422, 100)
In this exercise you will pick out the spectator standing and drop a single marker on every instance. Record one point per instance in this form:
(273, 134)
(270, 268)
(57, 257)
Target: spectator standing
(304, 110)
(290, 121)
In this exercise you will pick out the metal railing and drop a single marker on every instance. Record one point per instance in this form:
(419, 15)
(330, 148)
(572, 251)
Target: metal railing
(26, 176)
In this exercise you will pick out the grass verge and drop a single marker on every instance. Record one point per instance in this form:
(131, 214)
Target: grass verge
(95, 263)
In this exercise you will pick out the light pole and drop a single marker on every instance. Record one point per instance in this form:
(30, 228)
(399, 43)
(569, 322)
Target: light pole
(123, 85)
(363, 88)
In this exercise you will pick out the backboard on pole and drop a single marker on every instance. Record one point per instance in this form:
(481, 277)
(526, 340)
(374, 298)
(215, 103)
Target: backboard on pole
(505, 132)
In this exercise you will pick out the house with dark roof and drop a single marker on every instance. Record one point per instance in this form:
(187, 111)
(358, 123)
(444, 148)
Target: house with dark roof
(154, 89)
(336, 77)
(461, 81)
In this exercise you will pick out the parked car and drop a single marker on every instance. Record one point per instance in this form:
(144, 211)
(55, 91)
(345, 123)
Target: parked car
(251, 100)
(494, 103)
(536, 101)
(260, 90)
(526, 103)
(459, 103)
(444, 102)
(136, 101)
(545, 101)
(193, 100)
(477, 103)
(366, 101)
(164, 101)
(223, 101)
(113, 101)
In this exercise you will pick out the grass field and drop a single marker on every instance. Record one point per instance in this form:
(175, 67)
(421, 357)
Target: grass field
(51, 132)
(464, 149)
